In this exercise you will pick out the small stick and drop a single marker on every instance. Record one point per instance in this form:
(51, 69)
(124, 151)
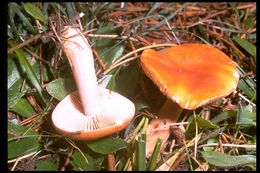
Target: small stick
(243, 97)
(228, 145)
(133, 47)
(133, 52)
(220, 145)
(34, 38)
(19, 159)
(30, 119)
(177, 162)
(67, 161)
(100, 62)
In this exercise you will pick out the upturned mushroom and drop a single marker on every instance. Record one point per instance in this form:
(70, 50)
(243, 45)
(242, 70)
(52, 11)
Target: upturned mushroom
(190, 75)
(91, 112)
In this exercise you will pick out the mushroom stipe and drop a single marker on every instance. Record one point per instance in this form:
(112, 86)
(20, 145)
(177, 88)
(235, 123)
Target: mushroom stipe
(91, 112)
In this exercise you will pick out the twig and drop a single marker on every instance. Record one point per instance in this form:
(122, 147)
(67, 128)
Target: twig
(100, 62)
(19, 159)
(133, 52)
(220, 144)
(221, 12)
(228, 145)
(76, 147)
(168, 125)
(112, 36)
(67, 161)
(177, 162)
(172, 159)
(120, 63)
(34, 38)
(196, 137)
(30, 119)
(243, 97)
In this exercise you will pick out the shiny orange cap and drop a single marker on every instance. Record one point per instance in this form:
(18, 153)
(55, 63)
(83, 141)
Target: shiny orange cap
(191, 74)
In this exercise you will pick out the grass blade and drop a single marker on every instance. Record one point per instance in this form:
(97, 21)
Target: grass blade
(166, 19)
(154, 7)
(140, 153)
(153, 161)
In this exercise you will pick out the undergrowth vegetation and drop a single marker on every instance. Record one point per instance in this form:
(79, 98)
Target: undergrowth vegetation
(218, 136)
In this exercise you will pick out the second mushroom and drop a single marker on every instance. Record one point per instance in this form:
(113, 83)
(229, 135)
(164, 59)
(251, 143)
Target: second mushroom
(190, 75)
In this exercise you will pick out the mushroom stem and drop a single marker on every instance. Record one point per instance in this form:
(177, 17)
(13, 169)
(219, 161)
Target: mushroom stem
(168, 114)
(80, 57)
(170, 110)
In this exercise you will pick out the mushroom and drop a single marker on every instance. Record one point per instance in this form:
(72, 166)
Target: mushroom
(190, 75)
(91, 112)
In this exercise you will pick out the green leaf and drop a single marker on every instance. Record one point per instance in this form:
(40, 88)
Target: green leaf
(103, 82)
(12, 7)
(60, 88)
(125, 80)
(247, 84)
(243, 85)
(14, 94)
(249, 22)
(210, 141)
(14, 72)
(16, 9)
(46, 165)
(35, 12)
(225, 160)
(17, 83)
(26, 22)
(22, 146)
(29, 70)
(17, 130)
(224, 115)
(201, 122)
(23, 108)
(47, 73)
(30, 74)
(107, 145)
(80, 163)
(246, 117)
(249, 47)
(15, 80)
(71, 11)
(108, 49)
(213, 134)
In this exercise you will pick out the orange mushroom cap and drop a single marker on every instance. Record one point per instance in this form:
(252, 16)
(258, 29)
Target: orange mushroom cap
(191, 74)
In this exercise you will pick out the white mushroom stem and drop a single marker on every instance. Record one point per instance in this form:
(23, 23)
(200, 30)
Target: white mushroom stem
(80, 56)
